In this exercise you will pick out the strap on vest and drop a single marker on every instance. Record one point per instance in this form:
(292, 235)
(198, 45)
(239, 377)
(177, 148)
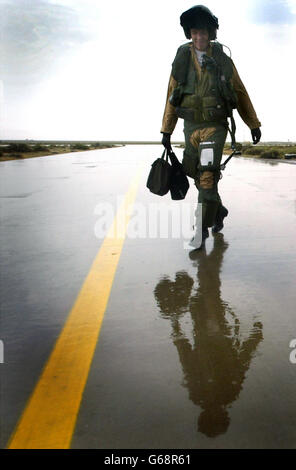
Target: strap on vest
(232, 131)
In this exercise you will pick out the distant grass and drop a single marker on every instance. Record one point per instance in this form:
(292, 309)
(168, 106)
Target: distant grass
(17, 151)
(268, 151)
(263, 151)
(260, 151)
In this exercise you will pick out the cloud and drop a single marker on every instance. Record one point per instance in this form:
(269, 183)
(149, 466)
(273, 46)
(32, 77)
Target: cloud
(34, 35)
(277, 12)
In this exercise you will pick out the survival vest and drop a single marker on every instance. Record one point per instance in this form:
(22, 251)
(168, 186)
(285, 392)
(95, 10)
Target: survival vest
(209, 97)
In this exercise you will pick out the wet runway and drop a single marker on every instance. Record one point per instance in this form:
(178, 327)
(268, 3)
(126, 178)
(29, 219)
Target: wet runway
(193, 349)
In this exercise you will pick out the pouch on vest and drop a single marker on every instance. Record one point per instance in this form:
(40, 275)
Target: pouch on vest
(176, 97)
(213, 109)
(189, 114)
(228, 93)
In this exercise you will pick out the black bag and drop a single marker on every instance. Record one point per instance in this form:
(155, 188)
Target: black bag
(179, 183)
(159, 177)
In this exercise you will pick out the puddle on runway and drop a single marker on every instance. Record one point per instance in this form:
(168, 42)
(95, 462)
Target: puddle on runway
(194, 350)
(216, 358)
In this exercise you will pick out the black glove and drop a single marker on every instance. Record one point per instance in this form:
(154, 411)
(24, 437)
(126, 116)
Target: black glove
(166, 141)
(256, 135)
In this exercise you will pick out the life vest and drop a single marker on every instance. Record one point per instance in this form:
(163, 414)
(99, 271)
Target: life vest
(209, 97)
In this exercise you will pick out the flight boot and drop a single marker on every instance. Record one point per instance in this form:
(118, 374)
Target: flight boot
(193, 241)
(221, 214)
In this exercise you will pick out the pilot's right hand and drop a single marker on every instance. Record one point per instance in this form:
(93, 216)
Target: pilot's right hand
(166, 140)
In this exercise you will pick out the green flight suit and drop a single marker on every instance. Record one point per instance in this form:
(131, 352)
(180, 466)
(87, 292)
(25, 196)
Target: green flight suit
(200, 95)
(206, 178)
(199, 100)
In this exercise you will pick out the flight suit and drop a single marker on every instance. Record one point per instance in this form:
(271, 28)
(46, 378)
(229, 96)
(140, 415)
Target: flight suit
(206, 137)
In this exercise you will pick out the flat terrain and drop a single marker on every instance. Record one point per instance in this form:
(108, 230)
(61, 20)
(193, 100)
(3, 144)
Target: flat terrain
(19, 151)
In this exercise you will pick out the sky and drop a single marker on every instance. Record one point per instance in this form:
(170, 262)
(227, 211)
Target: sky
(99, 69)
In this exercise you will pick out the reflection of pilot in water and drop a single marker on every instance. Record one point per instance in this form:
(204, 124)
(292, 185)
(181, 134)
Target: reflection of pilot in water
(215, 366)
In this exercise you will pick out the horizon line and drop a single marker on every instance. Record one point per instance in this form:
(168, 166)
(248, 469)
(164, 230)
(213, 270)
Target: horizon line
(131, 142)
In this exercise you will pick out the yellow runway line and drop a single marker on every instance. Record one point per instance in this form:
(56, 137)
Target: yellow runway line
(49, 418)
